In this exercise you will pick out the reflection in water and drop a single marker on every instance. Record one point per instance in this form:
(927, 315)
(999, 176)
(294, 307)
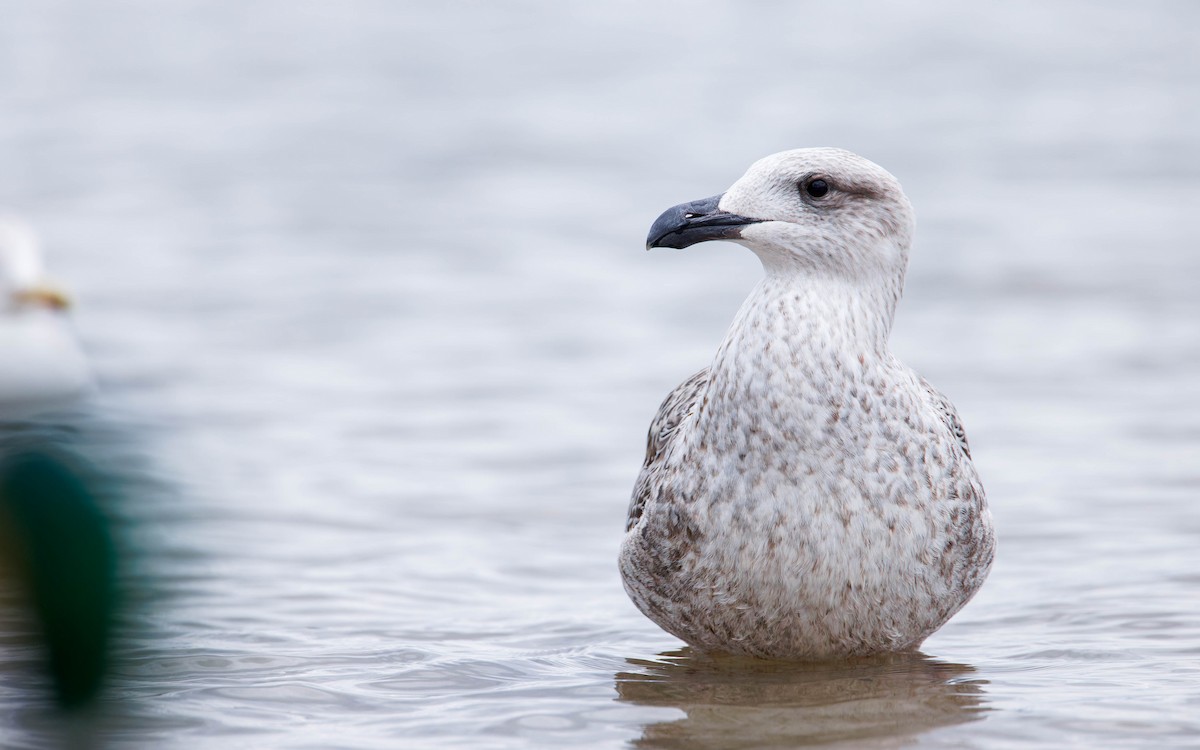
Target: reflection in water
(741, 703)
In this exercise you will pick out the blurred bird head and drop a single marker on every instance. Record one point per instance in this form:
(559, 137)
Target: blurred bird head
(23, 284)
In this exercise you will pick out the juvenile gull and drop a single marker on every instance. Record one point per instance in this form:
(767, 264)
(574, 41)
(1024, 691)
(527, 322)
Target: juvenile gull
(806, 495)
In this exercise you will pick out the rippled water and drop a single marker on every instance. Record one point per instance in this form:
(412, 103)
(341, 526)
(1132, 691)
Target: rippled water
(364, 287)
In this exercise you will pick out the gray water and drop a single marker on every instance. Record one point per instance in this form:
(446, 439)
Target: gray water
(364, 287)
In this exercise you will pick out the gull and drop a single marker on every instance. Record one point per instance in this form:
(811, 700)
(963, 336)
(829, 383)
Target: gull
(41, 363)
(806, 496)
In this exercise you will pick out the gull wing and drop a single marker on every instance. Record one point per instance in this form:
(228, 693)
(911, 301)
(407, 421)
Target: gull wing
(949, 415)
(678, 404)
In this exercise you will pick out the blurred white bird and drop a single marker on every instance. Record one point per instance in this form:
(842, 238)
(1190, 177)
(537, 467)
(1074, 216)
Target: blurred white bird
(41, 362)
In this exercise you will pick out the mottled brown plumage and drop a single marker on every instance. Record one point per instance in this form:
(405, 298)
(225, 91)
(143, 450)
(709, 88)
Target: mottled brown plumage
(807, 495)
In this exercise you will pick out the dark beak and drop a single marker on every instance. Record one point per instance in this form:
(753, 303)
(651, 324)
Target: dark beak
(698, 221)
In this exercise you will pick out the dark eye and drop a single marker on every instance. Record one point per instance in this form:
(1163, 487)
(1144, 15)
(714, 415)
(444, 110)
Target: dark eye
(816, 188)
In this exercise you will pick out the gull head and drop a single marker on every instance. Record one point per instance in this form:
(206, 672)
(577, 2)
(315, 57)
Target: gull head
(23, 284)
(813, 211)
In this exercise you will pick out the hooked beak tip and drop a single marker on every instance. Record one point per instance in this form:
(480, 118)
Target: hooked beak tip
(699, 221)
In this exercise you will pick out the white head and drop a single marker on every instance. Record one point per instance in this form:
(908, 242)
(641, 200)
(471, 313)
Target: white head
(814, 211)
(22, 277)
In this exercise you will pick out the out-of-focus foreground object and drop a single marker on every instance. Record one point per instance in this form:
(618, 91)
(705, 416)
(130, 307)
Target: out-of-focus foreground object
(55, 538)
(41, 362)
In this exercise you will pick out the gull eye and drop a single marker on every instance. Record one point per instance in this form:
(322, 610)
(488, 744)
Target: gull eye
(816, 188)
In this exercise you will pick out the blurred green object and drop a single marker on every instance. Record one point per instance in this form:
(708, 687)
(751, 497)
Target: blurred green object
(65, 551)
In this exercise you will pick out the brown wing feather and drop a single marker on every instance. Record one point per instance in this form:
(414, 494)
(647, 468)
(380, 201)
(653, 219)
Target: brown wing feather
(677, 405)
(949, 415)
